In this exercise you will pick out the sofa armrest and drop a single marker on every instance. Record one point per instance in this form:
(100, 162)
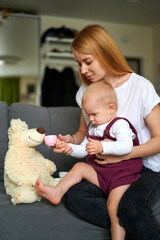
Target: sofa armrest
(3, 135)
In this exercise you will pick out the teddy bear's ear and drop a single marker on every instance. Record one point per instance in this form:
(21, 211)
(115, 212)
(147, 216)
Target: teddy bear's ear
(16, 124)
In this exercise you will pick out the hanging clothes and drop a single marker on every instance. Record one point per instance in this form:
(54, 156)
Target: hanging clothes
(70, 87)
(52, 88)
(59, 88)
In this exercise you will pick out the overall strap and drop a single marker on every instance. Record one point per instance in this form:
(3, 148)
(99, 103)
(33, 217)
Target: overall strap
(87, 130)
(107, 130)
(91, 136)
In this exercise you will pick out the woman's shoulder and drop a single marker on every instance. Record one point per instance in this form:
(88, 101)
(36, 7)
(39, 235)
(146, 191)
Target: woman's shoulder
(140, 80)
(82, 88)
(80, 93)
(144, 91)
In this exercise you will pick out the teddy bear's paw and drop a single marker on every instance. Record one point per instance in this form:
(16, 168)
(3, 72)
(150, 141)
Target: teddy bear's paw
(50, 169)
(54, 168)
(32, 179)
(50, 166)
(26, 196)
(52, 182)
(14, 200)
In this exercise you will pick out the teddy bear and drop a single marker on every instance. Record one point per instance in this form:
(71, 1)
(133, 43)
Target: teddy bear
(24, 165)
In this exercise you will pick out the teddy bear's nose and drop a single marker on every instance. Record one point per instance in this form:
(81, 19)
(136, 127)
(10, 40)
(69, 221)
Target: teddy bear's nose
(40, 130)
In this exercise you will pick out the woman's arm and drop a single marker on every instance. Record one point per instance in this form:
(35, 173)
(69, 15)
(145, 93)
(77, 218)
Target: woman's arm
(80, 134)
(77, 138)
(149, 148)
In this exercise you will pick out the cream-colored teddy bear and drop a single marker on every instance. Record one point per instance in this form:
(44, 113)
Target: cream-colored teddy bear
(23, 164)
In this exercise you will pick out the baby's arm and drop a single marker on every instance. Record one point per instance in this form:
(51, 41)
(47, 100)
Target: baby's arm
(79, 151)
(124, 139)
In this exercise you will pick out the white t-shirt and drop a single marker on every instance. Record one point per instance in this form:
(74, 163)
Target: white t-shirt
(136, 99)
(119, 130)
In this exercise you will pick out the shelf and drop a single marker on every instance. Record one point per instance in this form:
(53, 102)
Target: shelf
(58, 40)
(59, 55)
(56, 51)
(59, 62)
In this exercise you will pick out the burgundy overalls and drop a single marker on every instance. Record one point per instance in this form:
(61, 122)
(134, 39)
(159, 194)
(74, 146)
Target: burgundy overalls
(113, 175)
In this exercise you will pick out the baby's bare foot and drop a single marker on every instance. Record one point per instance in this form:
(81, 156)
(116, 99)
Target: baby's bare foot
(48, 192)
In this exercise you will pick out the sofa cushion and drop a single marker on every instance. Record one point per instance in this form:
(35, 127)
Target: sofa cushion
(44, 221)
(3, 135)
(55, 120)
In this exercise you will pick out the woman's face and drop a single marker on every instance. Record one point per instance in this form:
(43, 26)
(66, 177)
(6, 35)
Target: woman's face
(90, 67)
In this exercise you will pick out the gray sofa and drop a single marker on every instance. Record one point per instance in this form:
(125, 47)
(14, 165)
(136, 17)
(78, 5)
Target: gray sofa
(42, 220)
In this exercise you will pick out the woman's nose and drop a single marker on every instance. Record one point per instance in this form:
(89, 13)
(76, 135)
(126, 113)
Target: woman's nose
(84, 69)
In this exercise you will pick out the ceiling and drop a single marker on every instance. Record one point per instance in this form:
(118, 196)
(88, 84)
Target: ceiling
(138, 12)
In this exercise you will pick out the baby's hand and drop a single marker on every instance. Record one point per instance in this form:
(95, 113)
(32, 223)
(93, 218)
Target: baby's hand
(60, 144)
(94, 146)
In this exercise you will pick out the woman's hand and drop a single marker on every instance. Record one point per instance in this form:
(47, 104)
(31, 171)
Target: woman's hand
(67, 138)
(107, 159)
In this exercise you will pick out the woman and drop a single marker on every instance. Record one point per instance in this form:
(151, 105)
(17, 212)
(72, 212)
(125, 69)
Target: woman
(100, 59)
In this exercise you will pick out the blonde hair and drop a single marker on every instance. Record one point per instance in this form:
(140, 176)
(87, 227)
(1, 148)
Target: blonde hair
(95, 40)
(101, 92)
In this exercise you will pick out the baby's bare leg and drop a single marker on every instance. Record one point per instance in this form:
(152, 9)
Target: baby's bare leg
(117, 232)
(75, 175)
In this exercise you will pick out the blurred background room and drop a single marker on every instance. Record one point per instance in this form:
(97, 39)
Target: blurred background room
(36, 64)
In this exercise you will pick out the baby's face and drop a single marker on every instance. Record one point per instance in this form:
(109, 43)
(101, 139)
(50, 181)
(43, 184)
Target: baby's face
(98, 113)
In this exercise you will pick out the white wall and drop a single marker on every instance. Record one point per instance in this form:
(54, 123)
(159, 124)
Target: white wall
(19, 37)
(140, 39)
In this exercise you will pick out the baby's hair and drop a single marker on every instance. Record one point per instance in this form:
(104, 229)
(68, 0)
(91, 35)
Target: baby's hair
(102, 92)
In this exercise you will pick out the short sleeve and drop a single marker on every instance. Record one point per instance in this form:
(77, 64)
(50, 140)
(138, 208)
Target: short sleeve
(149, 98)
(80, 93)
